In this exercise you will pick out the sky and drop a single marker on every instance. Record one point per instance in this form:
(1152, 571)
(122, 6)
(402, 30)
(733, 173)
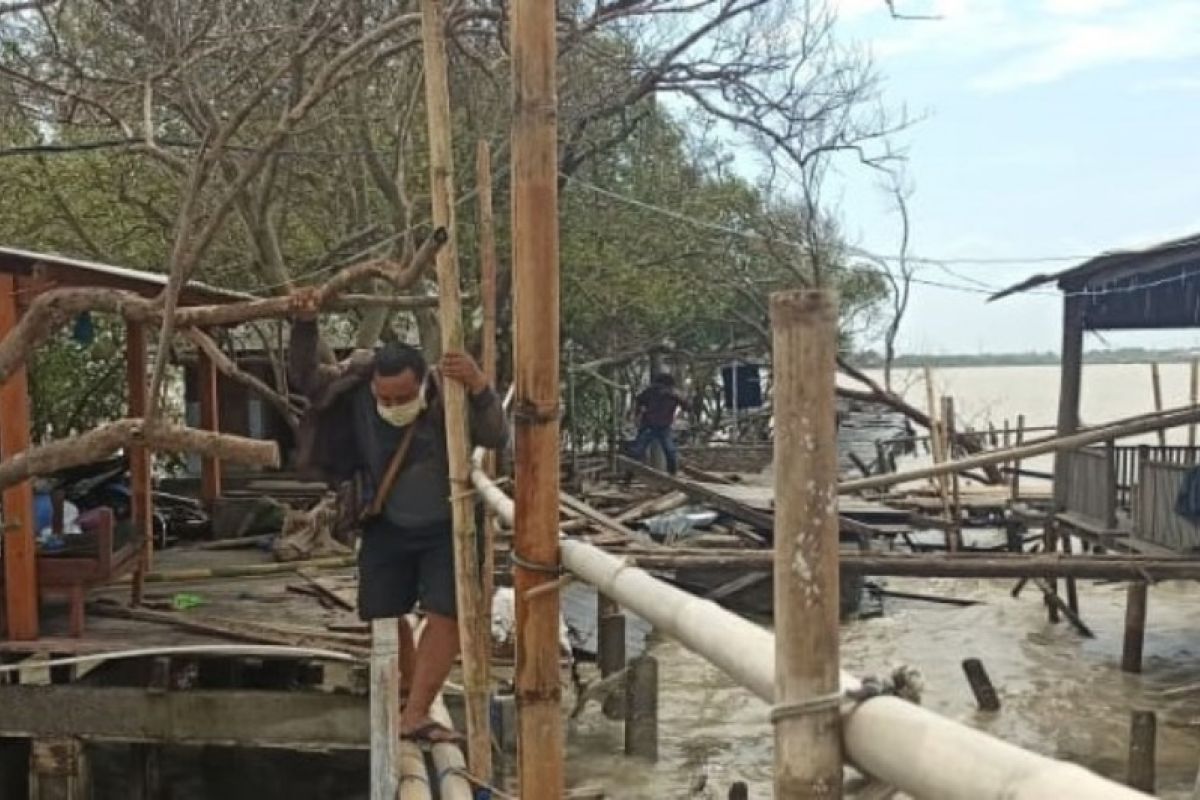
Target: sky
(1047, 128)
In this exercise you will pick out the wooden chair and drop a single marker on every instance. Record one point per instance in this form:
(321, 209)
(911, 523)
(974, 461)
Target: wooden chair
(93, 560)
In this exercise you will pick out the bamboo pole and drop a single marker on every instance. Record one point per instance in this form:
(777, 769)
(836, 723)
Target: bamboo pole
(939, 456)
(895, 741)
(1016, 463)
(454, 399)
(808, 753)
(487, 274)
(1194, 398)
(1156, 383)
(1131, 426)
(385, 709)
(534, 191)
(948, 423)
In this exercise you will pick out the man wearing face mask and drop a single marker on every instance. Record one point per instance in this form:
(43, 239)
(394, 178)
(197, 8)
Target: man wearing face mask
(378, 417)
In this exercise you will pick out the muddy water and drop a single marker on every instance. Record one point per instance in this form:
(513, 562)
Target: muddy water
(1062, 695)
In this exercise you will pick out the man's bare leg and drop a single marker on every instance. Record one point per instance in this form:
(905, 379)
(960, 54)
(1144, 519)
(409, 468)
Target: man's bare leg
(434, 657)
(408, 658)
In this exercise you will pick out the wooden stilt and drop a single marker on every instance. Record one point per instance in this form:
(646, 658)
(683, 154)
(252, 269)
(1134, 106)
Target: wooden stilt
(948, 423)
(808, 746)
(981, 685)
(610, 656)
(938, 453)
(58, 770)
(641, 708)
(536, 351)
(1135, 626)
(1050, 586)
(1016, 465)
(1143, 736)
(1071, 377)
(210, 420)
(20, 545)
(474, 647)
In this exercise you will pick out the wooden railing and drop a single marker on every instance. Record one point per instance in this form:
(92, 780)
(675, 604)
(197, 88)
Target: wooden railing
(1155, 519)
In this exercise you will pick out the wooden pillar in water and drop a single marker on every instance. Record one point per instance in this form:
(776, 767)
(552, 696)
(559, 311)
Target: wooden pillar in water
(807, 720)
(1136, 602)
(641, 708)
(1143, 748)
(137, 385)
(19, 536)
(536, 373)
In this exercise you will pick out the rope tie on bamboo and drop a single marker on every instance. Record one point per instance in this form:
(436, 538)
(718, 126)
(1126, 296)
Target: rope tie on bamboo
(557, 570)
(802, 708)
(530, 414)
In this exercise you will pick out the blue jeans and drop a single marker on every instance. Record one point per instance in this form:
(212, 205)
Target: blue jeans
(648, 434)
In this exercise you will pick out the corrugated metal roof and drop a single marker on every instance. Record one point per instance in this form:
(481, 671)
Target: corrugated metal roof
(1127, 262)
(196, 291)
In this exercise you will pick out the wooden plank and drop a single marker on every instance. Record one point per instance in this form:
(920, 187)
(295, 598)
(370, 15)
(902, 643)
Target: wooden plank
(737, 585)
(599, 517)
(210, 420)
(235, 718)
(740, 511)
(20, 544)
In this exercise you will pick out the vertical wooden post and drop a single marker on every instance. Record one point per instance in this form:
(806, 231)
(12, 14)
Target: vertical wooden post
(1136, 602)
(536, 332)
(1194, 397)
(1071, 378)
(1016, 465)
(58, 770)
(487, 281)
(137, 399)
(1156, 385)
(981, 685)
(948, 424)
(210, 420)
(454, 399)
(939, 455)
(20, 544)
(1050, 593)
(1143, 736)
(808, 745)
(385, 709)
(610, 655)
(641, 708)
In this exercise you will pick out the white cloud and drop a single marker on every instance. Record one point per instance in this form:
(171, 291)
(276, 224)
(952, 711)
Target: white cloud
(1152, 32)
(1082, 7)
(852, 9)
(1020, 44)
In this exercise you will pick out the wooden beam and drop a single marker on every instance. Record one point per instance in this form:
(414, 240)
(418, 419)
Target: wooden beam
(1130, 426)
(137, 383)
(808, 744)
(763, 520)
(942, 565)
(210, 420)
(224, 717)
(20, 543)
(474, 649)
(536, 282)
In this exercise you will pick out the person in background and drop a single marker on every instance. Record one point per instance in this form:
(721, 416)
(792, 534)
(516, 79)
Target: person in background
(379, 417)
(655, 410)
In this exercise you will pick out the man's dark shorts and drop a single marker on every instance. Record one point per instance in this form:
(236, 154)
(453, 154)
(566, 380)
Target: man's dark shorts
(397, 567)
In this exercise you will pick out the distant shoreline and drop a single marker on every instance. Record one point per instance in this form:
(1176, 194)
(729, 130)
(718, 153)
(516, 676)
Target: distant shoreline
(1028, 359)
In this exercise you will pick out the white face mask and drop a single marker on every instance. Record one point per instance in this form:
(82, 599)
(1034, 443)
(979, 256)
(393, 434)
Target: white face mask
(405, 413)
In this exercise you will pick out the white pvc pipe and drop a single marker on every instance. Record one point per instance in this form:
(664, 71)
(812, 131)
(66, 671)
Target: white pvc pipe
(906, 746)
